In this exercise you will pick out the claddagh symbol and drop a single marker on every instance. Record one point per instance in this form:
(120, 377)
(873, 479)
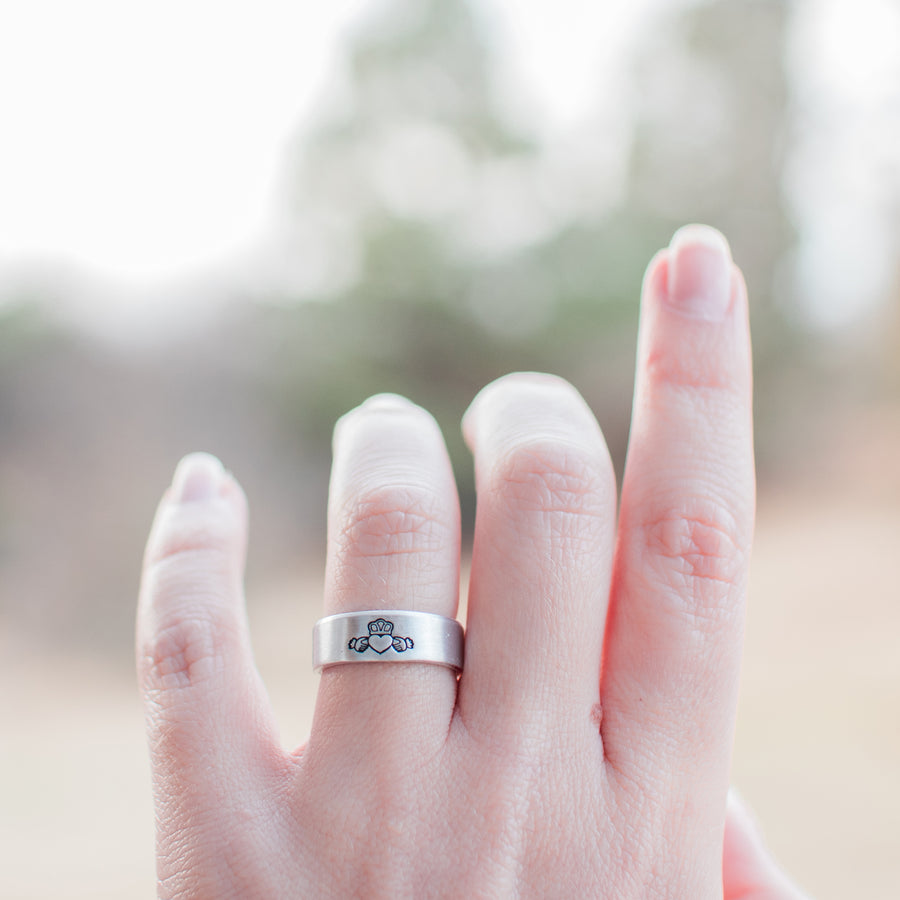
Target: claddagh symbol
(380, 639)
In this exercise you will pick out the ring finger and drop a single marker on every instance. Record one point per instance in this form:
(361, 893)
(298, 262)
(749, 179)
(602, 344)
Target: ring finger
(393, 543)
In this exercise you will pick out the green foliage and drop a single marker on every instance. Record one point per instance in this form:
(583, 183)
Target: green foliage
(439, 304)
(23, 329)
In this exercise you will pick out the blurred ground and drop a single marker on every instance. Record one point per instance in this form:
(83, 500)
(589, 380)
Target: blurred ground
(818, 736)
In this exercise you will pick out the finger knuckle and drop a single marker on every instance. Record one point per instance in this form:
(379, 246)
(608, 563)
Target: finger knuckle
(555, 479)
(390, 520)
(184, 651)
(185, 532)
(697, 554)
(694, 372)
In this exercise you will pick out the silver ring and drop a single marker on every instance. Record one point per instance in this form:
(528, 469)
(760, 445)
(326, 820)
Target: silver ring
(388, 635)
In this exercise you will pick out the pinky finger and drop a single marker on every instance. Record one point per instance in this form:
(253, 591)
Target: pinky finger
(748, 870)
(212, 738)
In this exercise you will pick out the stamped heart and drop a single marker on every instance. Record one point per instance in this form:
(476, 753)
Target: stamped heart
(380, 642)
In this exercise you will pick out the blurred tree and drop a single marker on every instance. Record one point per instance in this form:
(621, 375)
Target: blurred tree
(432, 231)
(711, 139)
(391, 197)
(712, 125)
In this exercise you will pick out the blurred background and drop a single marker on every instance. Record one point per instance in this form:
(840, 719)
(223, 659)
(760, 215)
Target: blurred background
(224, 224)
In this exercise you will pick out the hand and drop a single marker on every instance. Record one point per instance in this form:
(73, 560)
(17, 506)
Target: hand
(584, 751)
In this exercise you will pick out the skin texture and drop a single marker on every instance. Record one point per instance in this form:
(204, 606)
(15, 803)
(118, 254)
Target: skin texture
(584, 751)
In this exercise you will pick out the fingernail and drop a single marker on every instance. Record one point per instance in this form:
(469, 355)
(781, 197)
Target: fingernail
(699, 282)
(511, 378)
(387, 403)
(197, 477)
(378, 403)
(530, 382)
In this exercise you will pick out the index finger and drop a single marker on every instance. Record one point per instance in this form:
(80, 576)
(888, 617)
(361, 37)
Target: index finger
(669, 683)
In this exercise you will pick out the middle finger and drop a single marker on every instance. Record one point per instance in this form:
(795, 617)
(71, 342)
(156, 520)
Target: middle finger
(541, 562)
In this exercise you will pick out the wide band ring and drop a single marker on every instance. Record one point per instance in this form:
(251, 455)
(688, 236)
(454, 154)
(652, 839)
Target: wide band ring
(388, 635)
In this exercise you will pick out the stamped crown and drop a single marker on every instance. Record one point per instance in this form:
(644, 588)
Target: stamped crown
(381, 626)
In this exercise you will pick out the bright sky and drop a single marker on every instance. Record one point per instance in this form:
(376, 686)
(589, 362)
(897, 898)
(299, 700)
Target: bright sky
(845, 174)
(141, 139)
(142, 142)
